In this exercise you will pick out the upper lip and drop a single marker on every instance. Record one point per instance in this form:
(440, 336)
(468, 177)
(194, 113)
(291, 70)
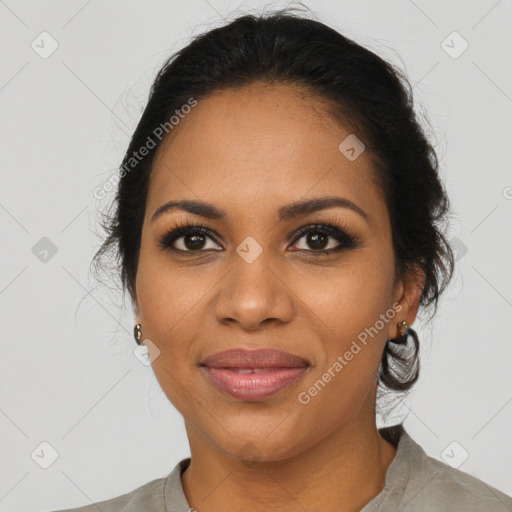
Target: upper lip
(257, 358)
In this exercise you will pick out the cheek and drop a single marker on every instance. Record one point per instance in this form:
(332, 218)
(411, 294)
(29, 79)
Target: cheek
(347, 299)
(170, 297)
(169, 308)
(350, 313)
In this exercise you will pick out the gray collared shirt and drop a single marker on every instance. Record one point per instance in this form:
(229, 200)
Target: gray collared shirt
(414, 482)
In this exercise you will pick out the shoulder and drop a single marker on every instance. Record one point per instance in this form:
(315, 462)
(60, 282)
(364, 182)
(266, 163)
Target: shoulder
(434, 485)
(465, 492)
(148, 497)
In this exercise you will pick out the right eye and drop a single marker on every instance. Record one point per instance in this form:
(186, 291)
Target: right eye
(188, 239)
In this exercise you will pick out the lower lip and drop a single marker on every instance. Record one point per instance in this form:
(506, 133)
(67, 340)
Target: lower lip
(254, 386)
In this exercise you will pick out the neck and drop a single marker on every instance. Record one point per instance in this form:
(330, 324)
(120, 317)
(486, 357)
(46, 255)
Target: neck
(342, 472)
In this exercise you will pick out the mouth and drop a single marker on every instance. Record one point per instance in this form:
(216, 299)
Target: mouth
(253, 375)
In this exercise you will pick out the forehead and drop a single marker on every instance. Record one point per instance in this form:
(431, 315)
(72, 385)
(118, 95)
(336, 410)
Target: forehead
(252, 149)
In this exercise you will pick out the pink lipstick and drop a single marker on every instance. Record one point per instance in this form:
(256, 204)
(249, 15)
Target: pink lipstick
(254, 374)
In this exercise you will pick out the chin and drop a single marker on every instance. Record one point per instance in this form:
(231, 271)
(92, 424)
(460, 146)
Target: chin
(258, 444)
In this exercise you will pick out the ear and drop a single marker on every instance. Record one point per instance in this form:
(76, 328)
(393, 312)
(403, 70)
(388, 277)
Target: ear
(407, 294)
(136, 313)
(135, 305)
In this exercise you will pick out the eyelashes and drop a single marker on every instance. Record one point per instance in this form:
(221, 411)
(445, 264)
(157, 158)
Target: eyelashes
(182, 229)
(199, 236)
(327, 230)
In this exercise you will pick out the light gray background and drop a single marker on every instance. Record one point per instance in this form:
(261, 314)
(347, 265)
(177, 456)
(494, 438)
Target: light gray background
(68, 373)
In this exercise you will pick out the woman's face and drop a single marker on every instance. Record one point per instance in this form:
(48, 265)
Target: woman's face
(256, 281)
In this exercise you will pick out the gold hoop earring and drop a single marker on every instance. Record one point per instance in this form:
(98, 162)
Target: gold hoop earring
(402, 327)
(403, 333)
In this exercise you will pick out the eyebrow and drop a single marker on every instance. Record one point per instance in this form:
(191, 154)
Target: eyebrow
(284, 213)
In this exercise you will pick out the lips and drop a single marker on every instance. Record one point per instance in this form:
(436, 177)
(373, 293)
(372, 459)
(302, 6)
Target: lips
(253, 375)
(258, 358)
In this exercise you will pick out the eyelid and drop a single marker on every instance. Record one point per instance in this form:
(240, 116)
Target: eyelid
(333, 229)
(182, 229)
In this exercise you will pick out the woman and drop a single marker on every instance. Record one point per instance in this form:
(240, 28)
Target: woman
(278, 225)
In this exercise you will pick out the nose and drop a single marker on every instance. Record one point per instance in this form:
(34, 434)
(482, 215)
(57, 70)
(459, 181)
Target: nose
(254, 296)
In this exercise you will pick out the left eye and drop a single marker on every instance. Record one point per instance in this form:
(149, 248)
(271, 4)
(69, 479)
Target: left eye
(317, 239)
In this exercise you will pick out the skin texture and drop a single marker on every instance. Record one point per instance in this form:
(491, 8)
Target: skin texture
(249, 151)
